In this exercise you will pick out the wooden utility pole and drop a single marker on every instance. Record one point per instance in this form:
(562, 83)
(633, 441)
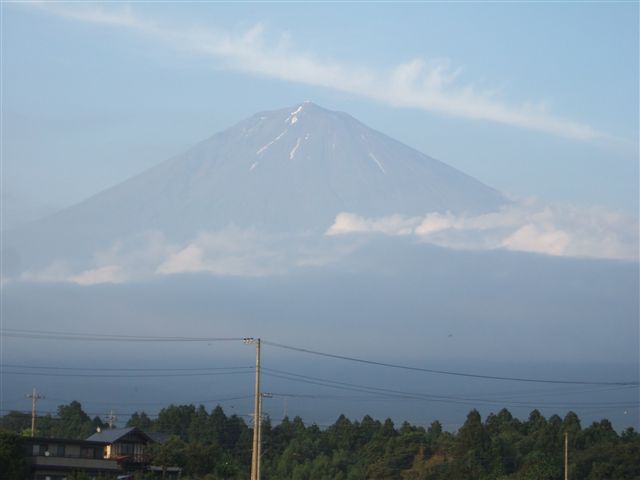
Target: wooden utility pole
(259, 454)
(255, 451)
(566, 456)
(258, 428)
(34, 396)
(111, 418)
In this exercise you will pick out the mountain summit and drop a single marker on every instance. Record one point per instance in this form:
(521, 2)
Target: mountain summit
(286, 170)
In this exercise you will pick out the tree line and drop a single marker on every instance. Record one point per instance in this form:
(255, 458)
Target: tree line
(214, 446)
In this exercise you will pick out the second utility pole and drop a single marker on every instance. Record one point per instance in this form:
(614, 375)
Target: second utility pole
(34, 396)
(566, 456)
(257, 416)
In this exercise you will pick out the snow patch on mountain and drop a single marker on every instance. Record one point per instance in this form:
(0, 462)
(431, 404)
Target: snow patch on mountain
(293, 117)
(373, 157)
(264, 147)
(293, 151)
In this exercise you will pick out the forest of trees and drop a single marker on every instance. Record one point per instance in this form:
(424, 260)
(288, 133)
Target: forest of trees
(213, 445)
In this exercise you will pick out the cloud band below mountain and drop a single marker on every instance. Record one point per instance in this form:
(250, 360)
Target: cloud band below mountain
(560, 230)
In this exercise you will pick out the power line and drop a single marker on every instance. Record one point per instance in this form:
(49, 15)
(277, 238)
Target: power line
(426, 397)
(50, 413)
(545, 392)
(107, 369)
(241, 369)
(165, 403)
(555, 392)
(119, 375)
(51, 335)
(445, 372)
(374, 396)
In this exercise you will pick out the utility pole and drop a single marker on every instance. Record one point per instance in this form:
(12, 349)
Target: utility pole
(566, 456)
(34, 396)
(259, 455)
(111, 418)
(255, 451)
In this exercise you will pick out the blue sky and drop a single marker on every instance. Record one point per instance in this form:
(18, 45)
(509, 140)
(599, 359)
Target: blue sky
(537, 99)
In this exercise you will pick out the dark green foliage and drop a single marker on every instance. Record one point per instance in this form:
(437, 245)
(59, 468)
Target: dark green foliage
(79, 476)
(12, 461)
(214, 446)
(175, 419)
(71, 422)
(140, 420)
(169, 453)
(17, 422)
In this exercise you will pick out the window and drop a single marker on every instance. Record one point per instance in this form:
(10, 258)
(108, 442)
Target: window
(58, 450)
(126, 448)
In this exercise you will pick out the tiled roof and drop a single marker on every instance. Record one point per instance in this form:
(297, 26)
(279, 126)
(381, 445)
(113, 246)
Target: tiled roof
(111, 435)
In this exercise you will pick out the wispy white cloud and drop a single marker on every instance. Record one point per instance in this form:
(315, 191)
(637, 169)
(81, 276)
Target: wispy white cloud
(95, 276)
(429, 85)
(395, 225)
(526, 226)
(60, 271)
(123, 261)
(94, 13)
(56, 271)
(561, 230)
(227, 253)
(231, 252)
(531, 238)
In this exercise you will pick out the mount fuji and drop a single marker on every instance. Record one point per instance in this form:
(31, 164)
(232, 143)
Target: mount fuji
(282, 171)
(233, 239)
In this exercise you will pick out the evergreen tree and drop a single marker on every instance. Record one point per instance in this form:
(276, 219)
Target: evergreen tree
(12, 461)
(214, 447)
(140, 420)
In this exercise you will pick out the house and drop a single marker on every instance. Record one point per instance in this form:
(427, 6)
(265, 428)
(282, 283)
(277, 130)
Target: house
(126, 445)
(56, 458)
(115, 453)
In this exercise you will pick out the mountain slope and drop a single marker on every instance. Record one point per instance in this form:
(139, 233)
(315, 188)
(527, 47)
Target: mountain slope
(287, 170)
